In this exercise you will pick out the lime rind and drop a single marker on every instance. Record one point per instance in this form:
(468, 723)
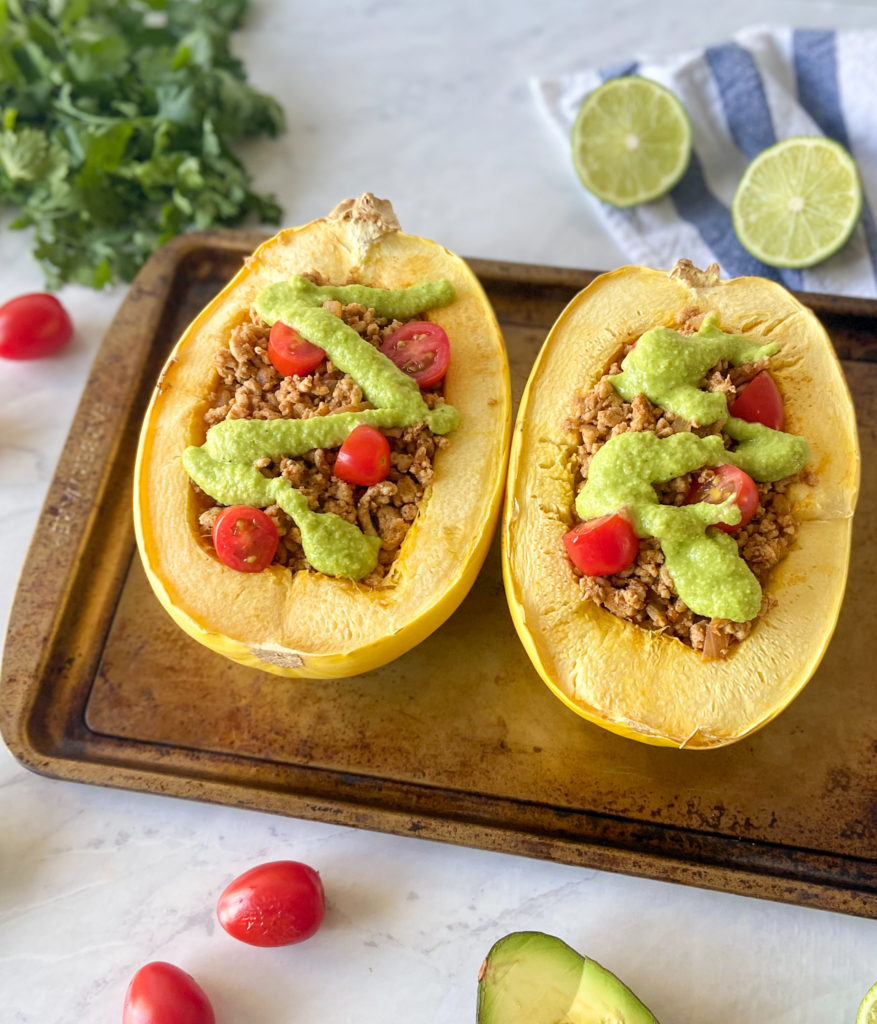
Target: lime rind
(798, 202)
(867, 1012)
(631, 141)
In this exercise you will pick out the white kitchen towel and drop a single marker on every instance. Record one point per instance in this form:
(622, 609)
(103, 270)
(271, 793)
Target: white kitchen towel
(764, 85)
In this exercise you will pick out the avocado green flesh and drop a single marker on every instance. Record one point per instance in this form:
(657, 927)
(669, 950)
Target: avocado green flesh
(223, 466)
(534, 978)
(705, 565)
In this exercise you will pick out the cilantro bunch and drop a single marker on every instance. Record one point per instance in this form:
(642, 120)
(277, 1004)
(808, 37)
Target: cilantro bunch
(118, 119)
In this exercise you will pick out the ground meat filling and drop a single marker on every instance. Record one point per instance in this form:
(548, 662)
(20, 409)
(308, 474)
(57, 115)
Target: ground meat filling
(249, 387)
(643, 593)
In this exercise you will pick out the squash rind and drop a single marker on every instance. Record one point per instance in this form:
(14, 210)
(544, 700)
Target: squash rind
(626, 679)
(307, 624)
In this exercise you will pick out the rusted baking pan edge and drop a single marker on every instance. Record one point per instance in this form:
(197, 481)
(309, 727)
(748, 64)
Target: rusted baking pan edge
(63, 609)
(688, 857)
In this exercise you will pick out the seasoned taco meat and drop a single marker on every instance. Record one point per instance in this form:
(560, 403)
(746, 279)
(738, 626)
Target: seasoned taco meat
(643, 593)
(249, 387)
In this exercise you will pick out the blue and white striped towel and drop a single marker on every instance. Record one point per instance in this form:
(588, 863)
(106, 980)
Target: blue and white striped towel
(764, 85)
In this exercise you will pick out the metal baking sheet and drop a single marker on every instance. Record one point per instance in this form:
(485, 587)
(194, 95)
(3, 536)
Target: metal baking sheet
(459, 740)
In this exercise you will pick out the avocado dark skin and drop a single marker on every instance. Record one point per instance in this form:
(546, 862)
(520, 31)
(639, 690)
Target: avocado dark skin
(534, 978)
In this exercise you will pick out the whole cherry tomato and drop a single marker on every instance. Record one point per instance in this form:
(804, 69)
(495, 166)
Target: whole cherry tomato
(290, 354)
(245, 538)
(420, 348)
(720, 484)
(760, 402)
(602, 546)
(160, 993)
(364, 458)
(273, 904)
(32, 326)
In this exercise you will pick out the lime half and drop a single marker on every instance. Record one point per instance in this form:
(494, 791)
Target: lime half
(631, 141)
(868, 1007)
(797, 202)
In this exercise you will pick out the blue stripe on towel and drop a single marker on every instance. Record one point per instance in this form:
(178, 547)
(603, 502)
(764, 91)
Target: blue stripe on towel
(749, 120)
(747, 113)
(815, 60)
(743, 99)
(814, 54)
(696, 204)
(619, 70)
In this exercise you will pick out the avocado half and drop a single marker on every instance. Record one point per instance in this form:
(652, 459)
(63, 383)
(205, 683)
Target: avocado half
(534, 978)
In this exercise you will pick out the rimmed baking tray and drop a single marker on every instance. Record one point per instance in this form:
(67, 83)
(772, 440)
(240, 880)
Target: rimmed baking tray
(458, 740)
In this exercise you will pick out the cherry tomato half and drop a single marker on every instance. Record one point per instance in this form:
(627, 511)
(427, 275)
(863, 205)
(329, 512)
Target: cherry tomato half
(274, 904)
(420, 348)
(602, 546)
(760, 402)
(245, 538)
(290, 354)
(364, 458)
(160, 993)
(720, 484)
(32, 326)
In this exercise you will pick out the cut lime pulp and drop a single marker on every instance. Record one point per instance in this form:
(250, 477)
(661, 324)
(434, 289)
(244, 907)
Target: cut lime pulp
(797, 202)
(868, 1007)
(631, 141)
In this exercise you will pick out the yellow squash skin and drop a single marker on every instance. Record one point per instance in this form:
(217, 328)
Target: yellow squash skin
(307, 624)
(642, 684)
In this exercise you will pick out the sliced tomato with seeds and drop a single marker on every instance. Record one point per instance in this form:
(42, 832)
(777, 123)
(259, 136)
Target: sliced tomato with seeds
(364, 458)
(602, 546)
(760, 402)
(245, 538)
(290, 353)
(722, 483)
(421, 349)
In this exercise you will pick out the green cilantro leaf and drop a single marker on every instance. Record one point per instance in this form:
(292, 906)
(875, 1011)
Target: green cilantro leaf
(29, 155)
(117, 125)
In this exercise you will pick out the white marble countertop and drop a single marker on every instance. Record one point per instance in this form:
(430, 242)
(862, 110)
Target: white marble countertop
(429, 106)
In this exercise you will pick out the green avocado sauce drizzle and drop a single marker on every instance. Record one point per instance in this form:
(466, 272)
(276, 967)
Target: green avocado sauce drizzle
(223, 465)
(705, 565)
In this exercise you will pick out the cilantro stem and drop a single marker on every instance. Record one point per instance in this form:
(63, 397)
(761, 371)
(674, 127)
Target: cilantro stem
(97, 119)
